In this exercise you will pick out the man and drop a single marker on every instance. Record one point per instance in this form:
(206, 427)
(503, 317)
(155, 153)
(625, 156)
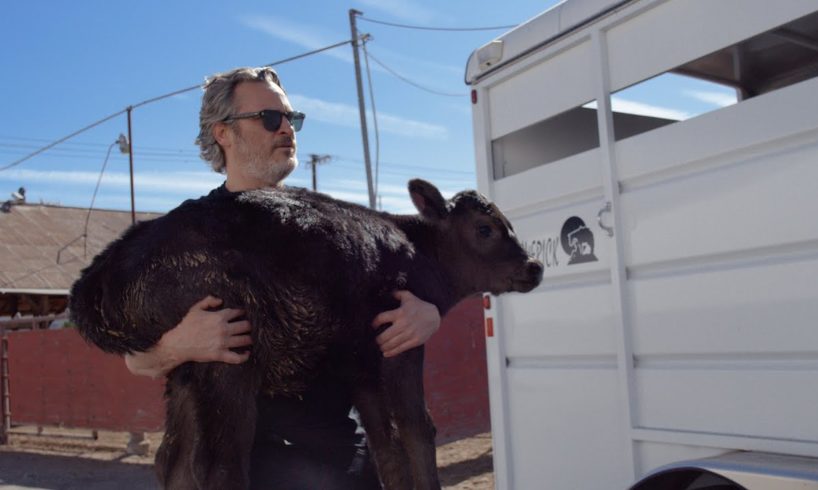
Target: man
(247, 131)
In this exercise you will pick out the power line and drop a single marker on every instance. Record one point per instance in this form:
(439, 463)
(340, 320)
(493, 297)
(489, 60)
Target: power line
(274, 63)
(84, 234)
(51, 145)
(180, 153)
(84, 143)
(84, 153)
(410, 82)
(154, 99)
(79, 152)
(406, 167)
(427, 28)
(43, 140)
(94, 198)
(310, 53)
(66, 159)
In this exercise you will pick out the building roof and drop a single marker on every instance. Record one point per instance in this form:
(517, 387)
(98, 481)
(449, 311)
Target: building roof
(42, 246)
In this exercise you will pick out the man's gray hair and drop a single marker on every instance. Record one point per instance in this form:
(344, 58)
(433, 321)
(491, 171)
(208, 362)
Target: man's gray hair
(217, 105)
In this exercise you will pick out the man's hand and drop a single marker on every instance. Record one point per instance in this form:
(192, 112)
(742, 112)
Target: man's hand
(201, 336)
(413, 322)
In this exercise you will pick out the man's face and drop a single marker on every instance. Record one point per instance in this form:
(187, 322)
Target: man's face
(262, 157)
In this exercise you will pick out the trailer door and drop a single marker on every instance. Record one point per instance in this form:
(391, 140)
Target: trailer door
(554, 353)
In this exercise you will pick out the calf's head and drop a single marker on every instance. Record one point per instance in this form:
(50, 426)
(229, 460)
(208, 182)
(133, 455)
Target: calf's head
(475, 243)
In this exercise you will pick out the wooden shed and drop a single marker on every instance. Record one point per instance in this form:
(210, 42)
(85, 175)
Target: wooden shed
(44, 247)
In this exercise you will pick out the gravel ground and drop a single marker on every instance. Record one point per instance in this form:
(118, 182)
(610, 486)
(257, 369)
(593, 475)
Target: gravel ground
(71, 460)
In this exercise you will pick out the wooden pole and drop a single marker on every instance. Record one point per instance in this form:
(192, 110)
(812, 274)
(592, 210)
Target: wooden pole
(361, 105)
(316, 160)
(130, 161)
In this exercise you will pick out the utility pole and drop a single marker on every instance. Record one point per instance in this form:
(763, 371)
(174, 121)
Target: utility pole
(130, 162)
(316, 160)
(361, 105)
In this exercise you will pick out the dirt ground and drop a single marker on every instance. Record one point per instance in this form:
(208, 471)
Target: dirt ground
(72, 460)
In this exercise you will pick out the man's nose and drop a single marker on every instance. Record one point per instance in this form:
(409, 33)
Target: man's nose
(286, 127)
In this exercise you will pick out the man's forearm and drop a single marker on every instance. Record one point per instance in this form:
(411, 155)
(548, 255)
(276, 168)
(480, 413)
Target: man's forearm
(202, 336)
(155, 363)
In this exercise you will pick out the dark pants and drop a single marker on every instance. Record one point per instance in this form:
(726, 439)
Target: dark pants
(276, 466)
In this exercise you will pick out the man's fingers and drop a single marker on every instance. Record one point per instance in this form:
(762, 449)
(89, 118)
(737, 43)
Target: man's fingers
(239, 341)
(384, 318)
(388, 335)
(231, 357)
(207, 302)
(401, 348)
(231, 313)
(389, 343)
(237, 328)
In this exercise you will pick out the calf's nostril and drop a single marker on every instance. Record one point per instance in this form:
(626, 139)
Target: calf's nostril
(535, 269)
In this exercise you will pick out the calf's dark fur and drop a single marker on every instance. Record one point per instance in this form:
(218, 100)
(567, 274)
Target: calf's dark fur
(311, 273)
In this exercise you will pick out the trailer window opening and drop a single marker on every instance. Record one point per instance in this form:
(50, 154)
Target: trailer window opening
(561, 136)
(775, 59)
(665, 99)
(770, 61)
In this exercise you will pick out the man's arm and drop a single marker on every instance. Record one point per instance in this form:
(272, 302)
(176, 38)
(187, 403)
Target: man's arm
(413, 322)
(202, 336)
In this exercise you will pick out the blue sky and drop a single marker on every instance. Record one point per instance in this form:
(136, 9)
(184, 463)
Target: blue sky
(69, 64)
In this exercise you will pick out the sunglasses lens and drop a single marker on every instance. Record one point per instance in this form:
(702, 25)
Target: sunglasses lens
(271, 120)
(297, 120)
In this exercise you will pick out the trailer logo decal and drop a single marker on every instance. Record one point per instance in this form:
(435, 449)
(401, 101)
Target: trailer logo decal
(577, 241)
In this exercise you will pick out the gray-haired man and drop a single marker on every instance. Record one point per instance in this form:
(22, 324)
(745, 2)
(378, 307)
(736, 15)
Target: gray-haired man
(247, 131)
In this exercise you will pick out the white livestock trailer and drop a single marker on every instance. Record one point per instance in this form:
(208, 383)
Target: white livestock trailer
(673, 343)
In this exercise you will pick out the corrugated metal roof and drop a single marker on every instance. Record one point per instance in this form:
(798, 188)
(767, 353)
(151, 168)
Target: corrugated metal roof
(41, 246)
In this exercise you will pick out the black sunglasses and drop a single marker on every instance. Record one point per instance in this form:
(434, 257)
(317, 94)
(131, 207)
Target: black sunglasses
(271, 118)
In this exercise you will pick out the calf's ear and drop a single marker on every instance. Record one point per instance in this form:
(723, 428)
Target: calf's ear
(427, 199)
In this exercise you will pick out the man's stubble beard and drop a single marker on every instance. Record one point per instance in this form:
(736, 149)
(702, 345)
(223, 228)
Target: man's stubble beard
(262, 165)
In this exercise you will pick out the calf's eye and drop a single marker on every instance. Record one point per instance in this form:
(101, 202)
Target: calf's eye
(484, 230)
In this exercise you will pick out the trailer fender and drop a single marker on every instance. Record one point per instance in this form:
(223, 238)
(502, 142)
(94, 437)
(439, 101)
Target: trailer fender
(744, 470)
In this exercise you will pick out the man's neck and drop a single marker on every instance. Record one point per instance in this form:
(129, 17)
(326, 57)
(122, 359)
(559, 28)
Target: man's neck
(236, 184)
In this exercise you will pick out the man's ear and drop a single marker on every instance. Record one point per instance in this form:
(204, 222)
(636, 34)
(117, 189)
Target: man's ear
(427, 199)
(222, 134)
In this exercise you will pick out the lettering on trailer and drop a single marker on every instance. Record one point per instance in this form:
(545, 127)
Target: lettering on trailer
(544, 250)
(576, 240)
